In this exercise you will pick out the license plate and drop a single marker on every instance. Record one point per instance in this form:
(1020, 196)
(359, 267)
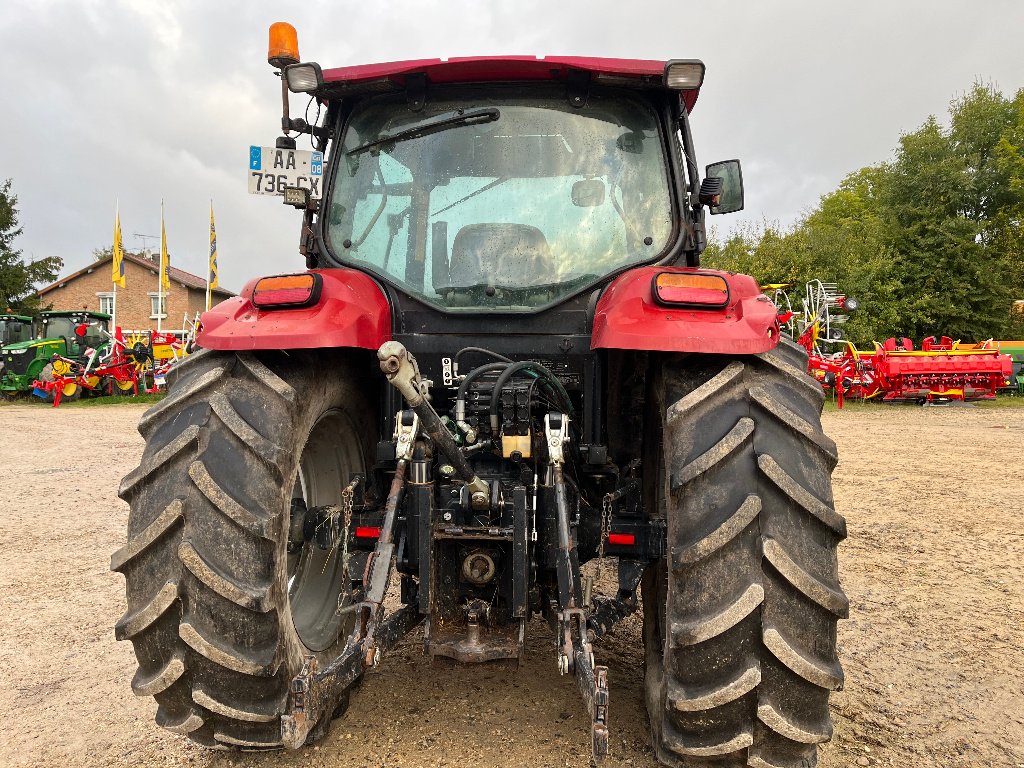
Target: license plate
(272, 169)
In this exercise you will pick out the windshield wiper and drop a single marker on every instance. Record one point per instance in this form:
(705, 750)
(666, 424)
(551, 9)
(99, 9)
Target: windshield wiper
(476, 117)
(474, 193)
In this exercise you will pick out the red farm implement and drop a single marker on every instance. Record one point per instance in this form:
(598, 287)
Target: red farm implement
(942, 370)
(117, 370)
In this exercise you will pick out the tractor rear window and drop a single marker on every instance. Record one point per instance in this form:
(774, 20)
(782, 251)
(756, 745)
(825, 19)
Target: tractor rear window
(508, 203)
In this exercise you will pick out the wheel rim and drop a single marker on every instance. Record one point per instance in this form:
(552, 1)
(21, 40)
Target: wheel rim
(331, 455)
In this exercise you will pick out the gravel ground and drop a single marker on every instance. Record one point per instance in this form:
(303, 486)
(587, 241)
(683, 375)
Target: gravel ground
(933, 650)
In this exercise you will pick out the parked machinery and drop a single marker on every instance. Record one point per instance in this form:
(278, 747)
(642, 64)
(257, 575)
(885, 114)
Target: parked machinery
(942, 370)
(28, 361)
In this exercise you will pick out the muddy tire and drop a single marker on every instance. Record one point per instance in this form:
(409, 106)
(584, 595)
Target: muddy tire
(740, 633)
(219, 619)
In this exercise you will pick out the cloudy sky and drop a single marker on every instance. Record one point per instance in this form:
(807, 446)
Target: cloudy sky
(141, 100)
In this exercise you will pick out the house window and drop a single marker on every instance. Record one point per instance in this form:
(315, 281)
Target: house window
(106, 303)
(157, 306)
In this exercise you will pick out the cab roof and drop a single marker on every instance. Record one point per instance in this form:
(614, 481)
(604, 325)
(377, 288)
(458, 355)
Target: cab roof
(22, 318)
(637, 73)
(73, 313)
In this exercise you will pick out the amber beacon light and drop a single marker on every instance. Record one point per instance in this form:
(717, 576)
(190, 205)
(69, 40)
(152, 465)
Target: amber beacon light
(284, 45)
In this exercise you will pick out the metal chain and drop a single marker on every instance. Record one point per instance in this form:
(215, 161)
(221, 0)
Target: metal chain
(606, 527)
(346, 517)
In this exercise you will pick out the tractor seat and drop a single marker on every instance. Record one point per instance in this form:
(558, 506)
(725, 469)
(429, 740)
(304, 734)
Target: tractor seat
(501, 255)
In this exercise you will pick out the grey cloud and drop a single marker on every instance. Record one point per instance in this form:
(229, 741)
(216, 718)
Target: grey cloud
(138, 100)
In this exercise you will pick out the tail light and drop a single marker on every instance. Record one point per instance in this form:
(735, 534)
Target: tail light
(367, 532)
(691, 289)
(622, 539)
(287, 291)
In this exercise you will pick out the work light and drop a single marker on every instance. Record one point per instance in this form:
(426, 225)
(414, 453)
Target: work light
(304, 78)
(684, 74)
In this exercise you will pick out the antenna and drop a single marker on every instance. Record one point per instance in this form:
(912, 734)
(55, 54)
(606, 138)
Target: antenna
(144, 238)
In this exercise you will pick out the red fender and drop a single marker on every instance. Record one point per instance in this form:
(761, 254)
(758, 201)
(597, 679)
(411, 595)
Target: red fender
(352, 312)
(628, 317)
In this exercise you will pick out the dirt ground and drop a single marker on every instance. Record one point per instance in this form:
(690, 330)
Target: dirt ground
(933, 650)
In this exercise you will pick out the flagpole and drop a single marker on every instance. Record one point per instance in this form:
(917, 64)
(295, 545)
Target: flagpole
(160, 275)
(211, 260)
(113, 256)
(208, 265)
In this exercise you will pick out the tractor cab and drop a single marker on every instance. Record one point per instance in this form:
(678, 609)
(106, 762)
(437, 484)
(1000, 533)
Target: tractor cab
(14, 329)
(64, 325)
(511, 184)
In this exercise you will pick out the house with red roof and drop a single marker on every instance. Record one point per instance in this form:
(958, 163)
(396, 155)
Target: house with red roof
(138, 304)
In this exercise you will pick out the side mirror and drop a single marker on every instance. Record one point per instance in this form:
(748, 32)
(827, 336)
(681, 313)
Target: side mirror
(730, 198)
(588, 193)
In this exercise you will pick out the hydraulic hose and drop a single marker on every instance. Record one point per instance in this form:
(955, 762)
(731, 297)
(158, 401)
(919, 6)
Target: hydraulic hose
(482, 351)
(540, 372)
(460, 398)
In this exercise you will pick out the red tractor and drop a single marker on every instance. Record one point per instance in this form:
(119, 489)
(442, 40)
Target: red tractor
(503, 361)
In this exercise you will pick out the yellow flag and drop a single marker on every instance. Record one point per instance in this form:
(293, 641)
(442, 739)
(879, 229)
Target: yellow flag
(117, 265)
(165, 259)
(212, 277)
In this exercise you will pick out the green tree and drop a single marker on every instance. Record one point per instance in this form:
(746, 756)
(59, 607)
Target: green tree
(17, 277)
(99, 254)
(929, 242)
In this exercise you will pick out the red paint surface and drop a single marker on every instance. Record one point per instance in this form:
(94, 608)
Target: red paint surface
(628, 317)
(352, 312)
(367, 532)
(622, 539)
(473, 69)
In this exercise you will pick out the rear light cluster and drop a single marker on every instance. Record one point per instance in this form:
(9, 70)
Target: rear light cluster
(287, 291)
(696, 290)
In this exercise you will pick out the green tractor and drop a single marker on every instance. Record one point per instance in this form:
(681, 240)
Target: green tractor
(26, 361)
(14, 328)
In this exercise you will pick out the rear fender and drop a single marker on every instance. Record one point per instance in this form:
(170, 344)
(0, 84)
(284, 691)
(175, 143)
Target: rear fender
(352, 312)
(628, 317)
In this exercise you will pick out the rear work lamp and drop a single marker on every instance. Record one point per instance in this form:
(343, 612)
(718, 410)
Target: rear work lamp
(684, 74)
(304, 78)
(287, 291)
(691, 289)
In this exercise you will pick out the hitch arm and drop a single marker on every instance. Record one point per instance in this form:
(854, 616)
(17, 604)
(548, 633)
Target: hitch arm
(404, 375)
(378, 569)
(575, 653)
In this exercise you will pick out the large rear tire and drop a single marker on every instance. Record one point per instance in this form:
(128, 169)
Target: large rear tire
(740, 618)
(220, 617)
